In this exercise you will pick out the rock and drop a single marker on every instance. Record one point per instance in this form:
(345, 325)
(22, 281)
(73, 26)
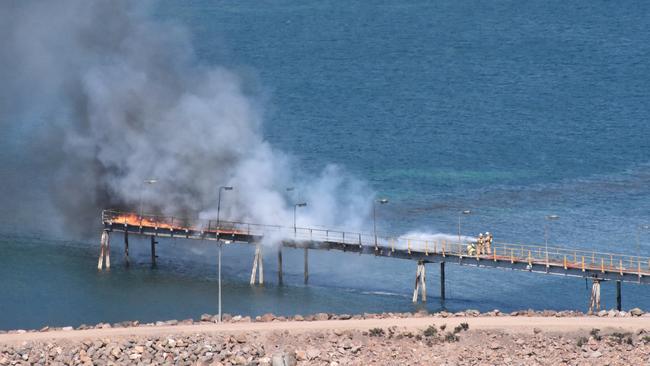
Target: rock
(595, 354)
(636, 312)
(345, 316)
(313, 353)
(283, 359)
(537, 330)
(321, 316)
(138, 349)
(298, 318)
(602, 313)
(301, 355)
(612, 313)
(240, 338)
(494, 346)
(268, 317)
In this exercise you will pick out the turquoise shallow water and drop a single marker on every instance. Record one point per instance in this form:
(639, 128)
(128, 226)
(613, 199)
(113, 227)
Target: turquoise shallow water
(514, 111)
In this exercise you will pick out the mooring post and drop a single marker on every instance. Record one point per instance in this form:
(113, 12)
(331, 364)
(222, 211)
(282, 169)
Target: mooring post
(126, 247)
(280, 266)
(153, 251)
(442, 281)
(306, 265)
(618, 295)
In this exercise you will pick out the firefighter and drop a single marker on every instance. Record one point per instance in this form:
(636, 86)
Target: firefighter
(471, 248)
(479, 244)
(488, 242)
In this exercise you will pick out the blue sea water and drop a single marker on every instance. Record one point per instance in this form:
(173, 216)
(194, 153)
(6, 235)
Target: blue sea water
(513, 110)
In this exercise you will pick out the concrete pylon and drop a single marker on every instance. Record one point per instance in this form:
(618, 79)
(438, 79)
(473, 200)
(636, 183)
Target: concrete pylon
(258, 261)
(104, 251)
(420, 283)
(594, 301)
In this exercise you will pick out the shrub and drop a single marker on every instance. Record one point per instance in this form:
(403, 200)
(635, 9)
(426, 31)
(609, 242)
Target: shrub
(465, 326)
(458, 329)
(451, 337)
(595, 332)
(443, 327)
(582, 341)
(376, 332)
(431, 331)
(620, 337)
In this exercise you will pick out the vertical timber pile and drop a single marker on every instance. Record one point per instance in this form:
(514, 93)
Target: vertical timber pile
(594, 301)
(442, 281)
(104, 251)
(306, 265)
(420, 282)
(280, 265)
(153, 251)
(126, 247)
(618, 295)
(258, 262)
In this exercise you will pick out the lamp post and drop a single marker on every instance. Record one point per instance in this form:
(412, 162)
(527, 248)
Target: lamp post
(460, 215)
(295, 206)
(374, 216)
(548, 218)
(222, 188)
(146, 181)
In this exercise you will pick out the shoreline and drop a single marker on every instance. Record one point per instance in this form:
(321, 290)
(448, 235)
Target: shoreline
(270, 317)
(430, 339)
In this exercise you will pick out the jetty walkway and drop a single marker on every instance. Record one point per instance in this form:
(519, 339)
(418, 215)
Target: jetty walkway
(595, 265)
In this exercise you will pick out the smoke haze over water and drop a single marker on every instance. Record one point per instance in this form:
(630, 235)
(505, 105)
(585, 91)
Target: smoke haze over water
(98, 97)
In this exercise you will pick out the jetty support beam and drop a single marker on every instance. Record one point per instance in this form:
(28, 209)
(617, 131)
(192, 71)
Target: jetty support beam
(594, 300)
(153, 251)
(126, 248)
(618, 295)
(306, 265)
(420, 283)
(104, 251)
(258, 262)
(442, 281)
(280, 266)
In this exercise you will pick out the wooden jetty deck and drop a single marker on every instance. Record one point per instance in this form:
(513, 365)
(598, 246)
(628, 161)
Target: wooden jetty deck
(595, 265)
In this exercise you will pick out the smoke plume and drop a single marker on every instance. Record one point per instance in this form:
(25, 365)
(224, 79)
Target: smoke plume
(111, 97)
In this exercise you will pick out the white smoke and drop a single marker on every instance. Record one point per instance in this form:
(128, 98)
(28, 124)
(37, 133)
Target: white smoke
(120, 98)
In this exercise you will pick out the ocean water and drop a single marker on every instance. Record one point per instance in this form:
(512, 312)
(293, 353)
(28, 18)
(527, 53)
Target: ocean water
(515, 111)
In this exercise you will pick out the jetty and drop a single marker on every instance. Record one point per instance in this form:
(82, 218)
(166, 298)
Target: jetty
(596, 266)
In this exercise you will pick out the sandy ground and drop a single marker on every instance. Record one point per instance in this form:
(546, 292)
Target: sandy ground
(505, 324)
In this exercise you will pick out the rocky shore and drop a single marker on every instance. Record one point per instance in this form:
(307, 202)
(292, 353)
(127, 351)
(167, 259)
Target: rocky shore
(463, 338)
(228, 318)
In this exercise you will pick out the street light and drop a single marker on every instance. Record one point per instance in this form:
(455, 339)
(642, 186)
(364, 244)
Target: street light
(374, 216)
(460, 215)
(146, 181)
(548, 218)
(224, 188)
(295, 206)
